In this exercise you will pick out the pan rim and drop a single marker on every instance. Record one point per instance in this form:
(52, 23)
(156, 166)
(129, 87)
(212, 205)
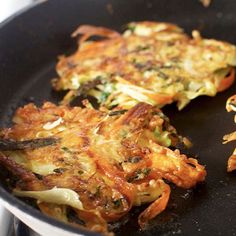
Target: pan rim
(20, 12)
(28, 209)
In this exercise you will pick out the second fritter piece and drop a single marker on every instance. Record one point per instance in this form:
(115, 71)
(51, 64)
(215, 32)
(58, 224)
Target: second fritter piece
(231, 106)
(96, 164)
(150, 62)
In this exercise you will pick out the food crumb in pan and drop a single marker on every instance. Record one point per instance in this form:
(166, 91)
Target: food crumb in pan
(186, 195)
(206, 3)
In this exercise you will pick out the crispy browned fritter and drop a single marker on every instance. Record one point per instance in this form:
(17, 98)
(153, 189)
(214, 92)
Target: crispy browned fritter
(102, 164)
(150, 62)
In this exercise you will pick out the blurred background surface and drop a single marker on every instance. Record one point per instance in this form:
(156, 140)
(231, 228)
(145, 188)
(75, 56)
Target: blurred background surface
(9, 7)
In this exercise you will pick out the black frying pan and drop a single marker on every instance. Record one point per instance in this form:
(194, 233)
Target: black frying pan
(29, 45)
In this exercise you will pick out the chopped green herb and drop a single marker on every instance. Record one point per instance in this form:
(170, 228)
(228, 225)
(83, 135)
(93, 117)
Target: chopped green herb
(134, 60)
(131, 27)
(12, 145)
(118, 112)
(141, 66)
(139, 174)
(162, 137)
(179, 79)
(163, 75)
(134, 159)
(135, 176)
(142, 47)
(105, 91)
(98, 191)
(80, 172)
(124, 133)
(103, 97)
(59, 170)
(146, 171)
(117, 203)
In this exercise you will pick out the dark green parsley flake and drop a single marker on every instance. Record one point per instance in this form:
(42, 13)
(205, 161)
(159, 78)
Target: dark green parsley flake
(123, 133)
(118, 112)
(131, 28)
(146, 171)
(117, 203)
(163, 75)
(142, 47)
(80, 172)
(66, 149)
(139, 174)
(98, 191)
(141, 66)
(10, 144)
(59, 170)
(103, 97)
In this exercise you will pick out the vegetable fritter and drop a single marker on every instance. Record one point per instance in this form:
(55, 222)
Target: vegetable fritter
(155, 63)
(231, 106)
(101, 165)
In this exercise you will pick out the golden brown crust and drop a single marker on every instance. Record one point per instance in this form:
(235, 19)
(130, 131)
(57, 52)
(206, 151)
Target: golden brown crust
(109, 161)
(28, 179)
(150, 62)
(155, 208)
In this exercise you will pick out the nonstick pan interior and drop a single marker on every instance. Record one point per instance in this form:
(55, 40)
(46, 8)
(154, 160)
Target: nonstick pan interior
(29, 46)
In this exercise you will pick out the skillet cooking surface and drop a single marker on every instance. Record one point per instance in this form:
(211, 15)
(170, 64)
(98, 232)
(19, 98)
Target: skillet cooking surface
(29, 46)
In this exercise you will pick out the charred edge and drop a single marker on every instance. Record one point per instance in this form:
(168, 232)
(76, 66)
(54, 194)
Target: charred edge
(11, 145)
(140, 110)
(17, 169)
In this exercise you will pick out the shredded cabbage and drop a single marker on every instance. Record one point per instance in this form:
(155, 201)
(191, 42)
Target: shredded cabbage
(56, 195)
